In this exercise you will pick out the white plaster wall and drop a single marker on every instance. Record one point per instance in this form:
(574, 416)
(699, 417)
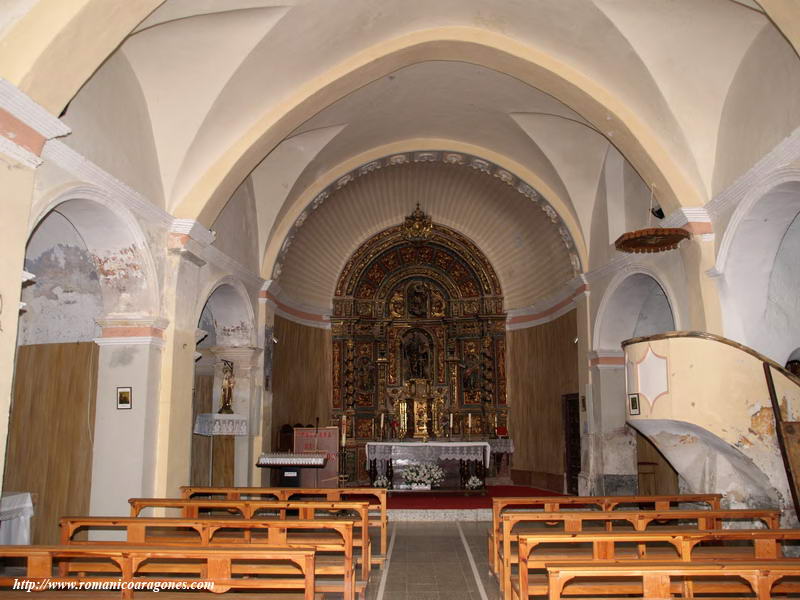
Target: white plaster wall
(762, 107)
(781, 325)
(111, 127)
(123, 464)
(237, 228)
(64, 300)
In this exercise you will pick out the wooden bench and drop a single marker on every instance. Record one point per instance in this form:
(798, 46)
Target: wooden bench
(248, 509)
(601, 503)
(536, 551)
(575, 521)
(226, 568)
(377, 498)
(657, 581)
(332, 540)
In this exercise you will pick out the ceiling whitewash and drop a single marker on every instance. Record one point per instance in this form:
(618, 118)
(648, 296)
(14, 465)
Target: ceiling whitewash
(211, 104)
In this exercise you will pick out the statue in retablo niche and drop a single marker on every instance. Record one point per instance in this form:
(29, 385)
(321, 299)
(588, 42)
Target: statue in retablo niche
(397, 305)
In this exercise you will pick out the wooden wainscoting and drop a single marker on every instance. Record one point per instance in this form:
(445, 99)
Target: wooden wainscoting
(50, 432)
(201, 444)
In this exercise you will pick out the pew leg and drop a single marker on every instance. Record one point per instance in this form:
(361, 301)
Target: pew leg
(656, 586)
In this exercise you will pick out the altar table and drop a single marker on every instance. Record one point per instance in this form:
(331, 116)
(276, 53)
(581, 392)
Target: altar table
(428, 451)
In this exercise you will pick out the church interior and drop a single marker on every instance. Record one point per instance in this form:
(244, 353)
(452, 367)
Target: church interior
(550, 246)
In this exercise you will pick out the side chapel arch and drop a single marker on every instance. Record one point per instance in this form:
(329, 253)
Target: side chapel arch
(418, 301)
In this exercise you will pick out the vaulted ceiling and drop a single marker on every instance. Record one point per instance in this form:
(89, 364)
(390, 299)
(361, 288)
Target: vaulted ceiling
(287, 96)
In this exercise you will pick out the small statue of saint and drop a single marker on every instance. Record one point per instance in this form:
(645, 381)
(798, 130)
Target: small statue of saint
(228, 382)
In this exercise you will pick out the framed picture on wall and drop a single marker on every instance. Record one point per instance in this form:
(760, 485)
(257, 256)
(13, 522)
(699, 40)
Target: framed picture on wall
(124, 398)
(633, 404)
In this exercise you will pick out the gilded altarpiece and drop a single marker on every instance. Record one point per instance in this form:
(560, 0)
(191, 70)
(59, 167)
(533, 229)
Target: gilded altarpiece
(418, 339)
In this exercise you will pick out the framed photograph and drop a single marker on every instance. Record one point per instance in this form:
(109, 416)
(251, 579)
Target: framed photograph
(633, 404)
(124, 398)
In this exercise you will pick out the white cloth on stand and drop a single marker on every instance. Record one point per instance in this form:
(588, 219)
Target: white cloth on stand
(16, 510)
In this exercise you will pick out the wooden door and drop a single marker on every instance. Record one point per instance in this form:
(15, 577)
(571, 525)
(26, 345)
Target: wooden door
(656, 476)
(572, 442)
(50, 432)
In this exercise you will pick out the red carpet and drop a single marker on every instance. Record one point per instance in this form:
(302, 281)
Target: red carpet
(455, 500)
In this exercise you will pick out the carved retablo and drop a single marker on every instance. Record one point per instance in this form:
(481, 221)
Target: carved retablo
(418, 337)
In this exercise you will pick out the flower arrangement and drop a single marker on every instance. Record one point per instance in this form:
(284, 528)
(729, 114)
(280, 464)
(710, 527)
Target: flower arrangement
(423, 474)
(381, 482)
(474, 483)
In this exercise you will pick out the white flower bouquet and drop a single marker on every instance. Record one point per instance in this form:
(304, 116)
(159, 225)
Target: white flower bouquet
(427, 474)
(474, 483)
(381, 482)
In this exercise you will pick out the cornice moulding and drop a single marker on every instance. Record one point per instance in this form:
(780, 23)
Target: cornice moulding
(25, 109)
(784, 153)
(16, 152)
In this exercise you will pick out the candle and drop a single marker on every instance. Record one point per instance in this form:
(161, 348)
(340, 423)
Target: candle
(469, 422)
(451, 422)
(344, 429)
(381, 423)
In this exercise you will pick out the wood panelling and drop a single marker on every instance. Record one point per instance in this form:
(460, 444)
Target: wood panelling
(301, 376)
(656, 475)
(542, 367)
(51, 430)
(201, 444)
(224, 456)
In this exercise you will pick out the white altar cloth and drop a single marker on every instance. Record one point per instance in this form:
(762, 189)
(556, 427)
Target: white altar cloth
(16, 510)
(428, 451)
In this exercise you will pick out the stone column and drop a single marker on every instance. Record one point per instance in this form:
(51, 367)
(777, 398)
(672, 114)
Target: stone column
(181, 290)
(617, 475)
(263, 441)
(245, 402)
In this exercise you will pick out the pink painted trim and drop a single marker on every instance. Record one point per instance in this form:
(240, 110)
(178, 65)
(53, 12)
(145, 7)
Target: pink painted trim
(20, 133)
(553, 309)
(607, 360)
(132, 331)
(292, 311)
(696, 228)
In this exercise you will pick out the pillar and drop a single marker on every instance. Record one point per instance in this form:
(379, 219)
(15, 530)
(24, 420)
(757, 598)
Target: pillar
(124, 453)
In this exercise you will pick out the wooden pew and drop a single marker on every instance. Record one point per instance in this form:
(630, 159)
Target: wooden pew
(126, 564)
(601, 503)
(325, 537)
(575, 521)
(654, 580)
(536, 551)
(249, 509)
(377, 498)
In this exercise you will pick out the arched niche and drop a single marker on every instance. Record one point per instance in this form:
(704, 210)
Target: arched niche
(760, 278)
(636, 306)
(225, 340)
(91, 270)
(90, 262)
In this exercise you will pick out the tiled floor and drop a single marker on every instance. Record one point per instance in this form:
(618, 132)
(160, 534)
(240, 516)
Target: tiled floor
(429, 561)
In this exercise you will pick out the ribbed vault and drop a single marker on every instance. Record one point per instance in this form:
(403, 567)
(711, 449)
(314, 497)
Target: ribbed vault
(519, 238)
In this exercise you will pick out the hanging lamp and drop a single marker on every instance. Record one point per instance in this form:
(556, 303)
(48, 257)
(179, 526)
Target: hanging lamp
(651, 239)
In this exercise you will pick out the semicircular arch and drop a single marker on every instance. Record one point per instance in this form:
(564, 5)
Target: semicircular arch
(204, 197)
(636, 302)
(120, 250)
